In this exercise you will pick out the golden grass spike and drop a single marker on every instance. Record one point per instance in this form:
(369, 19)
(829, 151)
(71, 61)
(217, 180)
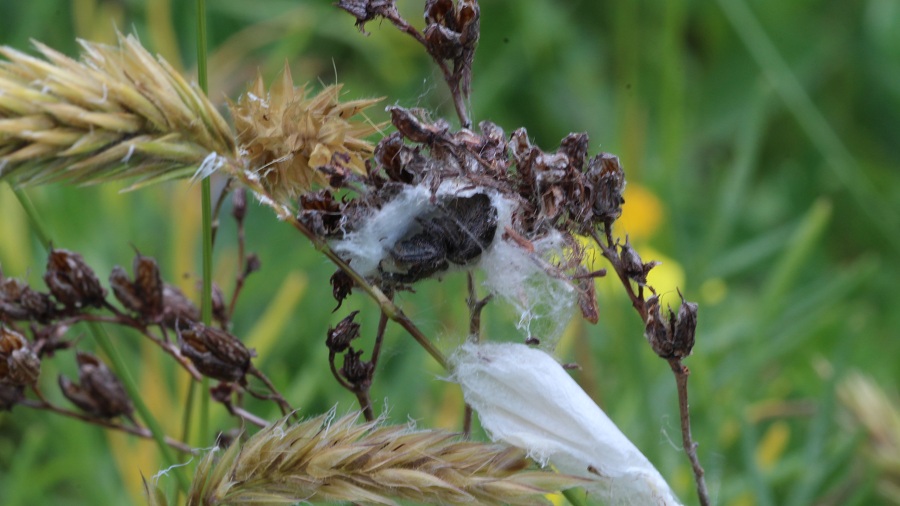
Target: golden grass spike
(327, 459)
(117, 112)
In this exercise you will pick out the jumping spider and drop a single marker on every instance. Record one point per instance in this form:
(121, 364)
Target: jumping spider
(457, 231)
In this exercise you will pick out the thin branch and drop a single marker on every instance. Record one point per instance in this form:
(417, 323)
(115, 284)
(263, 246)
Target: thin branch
(135, 431)
(690, 446)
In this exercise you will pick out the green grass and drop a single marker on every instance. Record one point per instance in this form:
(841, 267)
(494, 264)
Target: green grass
(766, 130)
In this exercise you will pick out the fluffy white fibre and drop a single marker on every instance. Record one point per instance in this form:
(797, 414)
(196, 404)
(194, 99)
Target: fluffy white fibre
(525, 398)
(545, 304)
(367, 246)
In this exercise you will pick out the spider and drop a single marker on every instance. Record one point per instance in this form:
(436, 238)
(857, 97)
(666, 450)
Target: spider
(457, 231)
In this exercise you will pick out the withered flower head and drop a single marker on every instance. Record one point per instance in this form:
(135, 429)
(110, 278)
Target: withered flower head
(178, 310)
(635, 268)
(669, 335)
(286, 135)
(341, 287)
(19, 302)
(100, 393)
(356, 370)
(19, 365)
(607, 179)
(215, 353)
(71, 281)
(10, 395)
(143, 296)
(340, 336)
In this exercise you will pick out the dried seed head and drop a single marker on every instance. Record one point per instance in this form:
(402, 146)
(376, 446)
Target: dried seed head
(11, 306)
(19, 302)
(71, 281)
(685, 328)
(341, 287)
(286, 135)
(658, 329)
(178, 310)
(100, 393)
(252, 264)
(215, 353)
(356, 370)
(669, 335)
(219, 310)
(10, 395)
(339, 337)
(607, 180)
(19, 365)
(635, 268)
(144, 296)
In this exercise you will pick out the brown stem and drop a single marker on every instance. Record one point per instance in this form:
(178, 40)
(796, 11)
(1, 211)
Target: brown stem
(166, 345)
(274, 394)
(690, 446)
(218, 207)
(336, 374)
(475, 306)
(379, 337)
(245, 415)
(452, 80)
(135, 431)
(242, 269)
(365, 403)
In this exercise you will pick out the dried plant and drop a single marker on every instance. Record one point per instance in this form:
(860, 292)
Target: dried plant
(425, 201)
(327, 459)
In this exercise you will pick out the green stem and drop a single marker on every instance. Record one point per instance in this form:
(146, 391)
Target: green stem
(121, 370)
(206, 203)
(31, 212)
(119, 366)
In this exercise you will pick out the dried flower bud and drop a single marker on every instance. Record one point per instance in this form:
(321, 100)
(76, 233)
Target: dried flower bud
(215, 353)
(340, 336)
(19, 365)
(124, 290)
(416, 129)
(149, 285)
(607, 179)
(100, 393)
(252, 264)
(357, 371)
(219, 310)
(685, 328)
(10, 395)
(658, 329)
(669, 335)
(71, 281)
(11, 306)
(39, 305)
(144, 296)
(341, 287)
(634, 267)
(178, 310)
(320, 213)
(222, 392)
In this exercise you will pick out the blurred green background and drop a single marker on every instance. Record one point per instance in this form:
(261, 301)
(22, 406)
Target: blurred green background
(760, 142)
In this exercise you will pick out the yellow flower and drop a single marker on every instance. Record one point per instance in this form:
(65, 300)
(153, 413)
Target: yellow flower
(285, 135)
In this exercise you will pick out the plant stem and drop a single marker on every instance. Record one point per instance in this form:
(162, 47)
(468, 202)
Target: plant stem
(134, 394)
(36, 226)
(206, 203)
(690, 446)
